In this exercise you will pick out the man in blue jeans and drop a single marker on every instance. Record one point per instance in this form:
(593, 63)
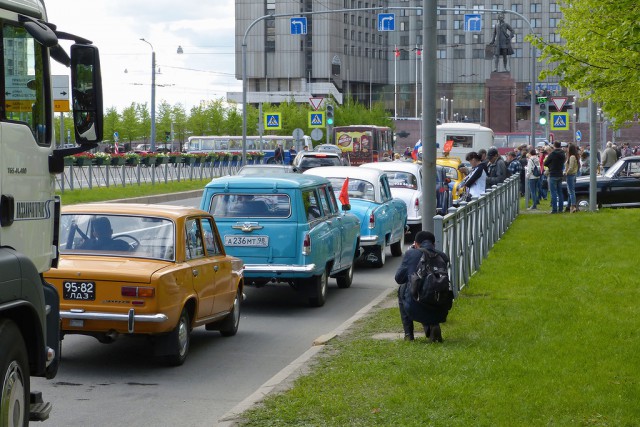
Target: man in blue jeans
(554, 162)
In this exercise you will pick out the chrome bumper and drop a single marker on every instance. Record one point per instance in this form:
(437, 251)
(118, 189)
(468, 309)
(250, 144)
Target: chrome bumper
(131, 317)
(279, 268)
(368, 240)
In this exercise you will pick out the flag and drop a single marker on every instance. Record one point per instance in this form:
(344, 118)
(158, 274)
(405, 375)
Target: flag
(344, 194)
(416, 150)
(115, 148)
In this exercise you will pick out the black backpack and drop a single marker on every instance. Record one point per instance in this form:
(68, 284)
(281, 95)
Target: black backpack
(430, 284)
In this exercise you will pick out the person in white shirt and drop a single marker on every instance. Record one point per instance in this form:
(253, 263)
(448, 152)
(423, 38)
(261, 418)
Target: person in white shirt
(476, 181)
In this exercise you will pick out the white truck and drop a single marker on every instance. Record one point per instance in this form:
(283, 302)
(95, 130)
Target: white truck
(29, 208)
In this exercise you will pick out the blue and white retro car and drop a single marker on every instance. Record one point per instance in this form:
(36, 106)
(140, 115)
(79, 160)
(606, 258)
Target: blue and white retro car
(383, 218)
(287, 228)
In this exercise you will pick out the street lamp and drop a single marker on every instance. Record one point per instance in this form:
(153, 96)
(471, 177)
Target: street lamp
(152, 145)
(481, 111)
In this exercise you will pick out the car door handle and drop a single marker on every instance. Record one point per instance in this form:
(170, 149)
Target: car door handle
(215, 268)
(195, 272)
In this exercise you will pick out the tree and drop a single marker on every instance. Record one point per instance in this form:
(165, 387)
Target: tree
(111, 123)
(601, 54)
(129, 124)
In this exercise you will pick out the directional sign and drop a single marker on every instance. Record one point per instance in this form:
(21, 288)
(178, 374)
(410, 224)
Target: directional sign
(386, 22)
(559, 102)
(559, 121)
(272, 121)
(316, 119)
(299, 25)
(473, 22)
(578, 136)
(60, 94)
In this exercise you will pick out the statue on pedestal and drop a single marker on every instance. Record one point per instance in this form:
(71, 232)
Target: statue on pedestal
(501, 42)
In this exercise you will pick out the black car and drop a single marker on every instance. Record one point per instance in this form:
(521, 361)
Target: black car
(619, 186)
(313, 159)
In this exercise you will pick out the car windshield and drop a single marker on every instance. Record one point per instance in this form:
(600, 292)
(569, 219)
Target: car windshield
(402, 180)
(250, 205)
(117, 235)
(358, 189)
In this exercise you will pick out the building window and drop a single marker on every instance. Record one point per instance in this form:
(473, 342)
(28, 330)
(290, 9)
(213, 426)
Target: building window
(360, 21)
(345, 49)
(458, 39)
(459, 6)
(517, 8)
(458, 24)
(366, 37)
(554, 7)
(441, 39)
(477, 53)
(554, 38)
(346, 34)
(458, 54)
(517, 53)
(404, 26)
(419, 39)
(535, 8)
(441, 54)
(536, 22)
(553, 22)
(478, 38)
(442, 24)
(517, 23)
(477, 7)
(497, 7)
(404, 40)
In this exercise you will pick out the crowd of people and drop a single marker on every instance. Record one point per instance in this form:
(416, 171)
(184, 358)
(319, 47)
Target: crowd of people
(543, 168)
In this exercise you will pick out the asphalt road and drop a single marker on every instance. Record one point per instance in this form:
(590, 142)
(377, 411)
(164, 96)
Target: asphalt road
(121, 384)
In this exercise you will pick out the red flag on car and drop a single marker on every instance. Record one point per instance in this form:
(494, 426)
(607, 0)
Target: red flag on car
(344, 193)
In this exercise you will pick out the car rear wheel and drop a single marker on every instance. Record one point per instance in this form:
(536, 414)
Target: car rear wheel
(229, 325)
(381, 256)
(318, 290)
(345, 278)
(180, 340)
(396, 248)
(14, 376)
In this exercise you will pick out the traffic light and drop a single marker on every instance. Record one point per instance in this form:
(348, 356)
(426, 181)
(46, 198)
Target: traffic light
(329, 115)
(542, 118)
(542, 100)
(167, 136)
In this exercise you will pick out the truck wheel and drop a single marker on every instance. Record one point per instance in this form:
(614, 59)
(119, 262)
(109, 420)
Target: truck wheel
(14, 374)
(345, 278)
(396, 248)
(179, 338)
(318, 290)
(229, 325)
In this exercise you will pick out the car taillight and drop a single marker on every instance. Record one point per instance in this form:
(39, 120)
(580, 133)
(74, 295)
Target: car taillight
(372, 221)
(306, 245)
(416, 205)
(138, 291)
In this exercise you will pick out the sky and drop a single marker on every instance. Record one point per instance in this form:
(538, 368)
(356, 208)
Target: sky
(205, 29)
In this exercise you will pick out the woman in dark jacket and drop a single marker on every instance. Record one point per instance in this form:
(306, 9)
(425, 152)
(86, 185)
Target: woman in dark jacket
(430, 317)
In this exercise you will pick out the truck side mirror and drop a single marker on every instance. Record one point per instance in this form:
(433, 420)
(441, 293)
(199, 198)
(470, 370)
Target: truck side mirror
(86, 93)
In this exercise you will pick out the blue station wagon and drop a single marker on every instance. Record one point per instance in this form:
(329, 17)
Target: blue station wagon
(287, 228)
(383, 218)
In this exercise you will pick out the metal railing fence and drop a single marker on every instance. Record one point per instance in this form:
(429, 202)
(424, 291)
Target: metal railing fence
(468, 232)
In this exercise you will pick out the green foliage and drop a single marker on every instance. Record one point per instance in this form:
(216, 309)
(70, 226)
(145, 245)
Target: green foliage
(601, 54)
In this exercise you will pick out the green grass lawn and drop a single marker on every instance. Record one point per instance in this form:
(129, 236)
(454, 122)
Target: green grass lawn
(98, 194)
(546, 334)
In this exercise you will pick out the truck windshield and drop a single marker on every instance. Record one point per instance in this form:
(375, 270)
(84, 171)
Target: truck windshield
(24, 83)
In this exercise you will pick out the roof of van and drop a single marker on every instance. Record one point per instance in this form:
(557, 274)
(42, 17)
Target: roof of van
(461, 126)
(285, 180)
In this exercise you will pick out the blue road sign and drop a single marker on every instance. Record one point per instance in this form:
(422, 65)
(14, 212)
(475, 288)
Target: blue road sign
(272, 121)
(386, 22)
(559, 121)
(473, 22)
(299, 25)
(578, 136)
(316, 119)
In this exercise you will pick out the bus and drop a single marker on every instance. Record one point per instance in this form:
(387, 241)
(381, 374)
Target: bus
(264, 143)
(465, 137)
(364, 143)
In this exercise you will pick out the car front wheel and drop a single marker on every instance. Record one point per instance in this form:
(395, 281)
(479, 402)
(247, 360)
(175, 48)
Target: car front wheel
(229, 326)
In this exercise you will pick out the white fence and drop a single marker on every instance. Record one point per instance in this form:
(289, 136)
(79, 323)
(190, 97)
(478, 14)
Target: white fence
(467, 233)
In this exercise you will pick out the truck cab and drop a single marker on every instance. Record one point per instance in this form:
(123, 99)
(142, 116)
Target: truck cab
(29, 208)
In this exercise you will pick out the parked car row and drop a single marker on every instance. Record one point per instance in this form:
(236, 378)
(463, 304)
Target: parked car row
(130, 269)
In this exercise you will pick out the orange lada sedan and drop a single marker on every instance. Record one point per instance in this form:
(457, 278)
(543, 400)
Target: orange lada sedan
(147, 270)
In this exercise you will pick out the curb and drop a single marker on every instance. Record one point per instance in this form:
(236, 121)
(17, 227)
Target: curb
(294, 369)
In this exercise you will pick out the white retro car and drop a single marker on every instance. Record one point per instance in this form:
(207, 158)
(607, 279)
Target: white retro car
(405, 180)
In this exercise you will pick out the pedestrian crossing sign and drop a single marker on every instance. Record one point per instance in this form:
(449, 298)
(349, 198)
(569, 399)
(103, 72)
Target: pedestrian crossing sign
(559, 121)
(272, 121)
(316, 119)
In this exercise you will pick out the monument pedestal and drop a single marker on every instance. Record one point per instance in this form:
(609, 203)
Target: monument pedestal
(500, 99)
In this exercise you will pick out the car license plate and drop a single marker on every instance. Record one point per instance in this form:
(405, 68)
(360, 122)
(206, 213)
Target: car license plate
(249, 241)
(79, 290)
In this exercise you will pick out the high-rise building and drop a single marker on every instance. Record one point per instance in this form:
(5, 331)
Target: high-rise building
(344, 55)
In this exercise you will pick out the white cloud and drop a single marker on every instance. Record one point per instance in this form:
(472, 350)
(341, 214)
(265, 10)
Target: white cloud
(204, 29)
